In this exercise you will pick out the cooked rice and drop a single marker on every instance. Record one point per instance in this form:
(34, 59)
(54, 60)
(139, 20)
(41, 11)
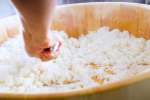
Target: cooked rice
(99, 58)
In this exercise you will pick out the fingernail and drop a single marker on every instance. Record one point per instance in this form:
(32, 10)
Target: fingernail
(47, 50)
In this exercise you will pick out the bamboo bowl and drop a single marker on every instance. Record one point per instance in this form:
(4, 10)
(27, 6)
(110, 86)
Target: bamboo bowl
(77, 19)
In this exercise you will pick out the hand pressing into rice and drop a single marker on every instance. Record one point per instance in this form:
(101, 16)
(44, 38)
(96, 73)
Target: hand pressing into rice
(35, 16)
(45, 49)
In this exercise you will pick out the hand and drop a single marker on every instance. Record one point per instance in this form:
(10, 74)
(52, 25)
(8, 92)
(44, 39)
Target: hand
(35, 16)
(42, 47)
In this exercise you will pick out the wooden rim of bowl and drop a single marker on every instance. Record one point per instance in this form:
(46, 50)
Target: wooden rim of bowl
(98, 89)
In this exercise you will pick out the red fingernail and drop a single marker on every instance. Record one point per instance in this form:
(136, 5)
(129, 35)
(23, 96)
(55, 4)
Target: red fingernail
(47, 50)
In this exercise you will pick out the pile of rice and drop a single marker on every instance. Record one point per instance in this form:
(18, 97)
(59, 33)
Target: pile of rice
(99, 58)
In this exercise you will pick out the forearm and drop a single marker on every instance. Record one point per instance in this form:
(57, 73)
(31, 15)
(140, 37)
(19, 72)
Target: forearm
(35, 15)
(36, 19)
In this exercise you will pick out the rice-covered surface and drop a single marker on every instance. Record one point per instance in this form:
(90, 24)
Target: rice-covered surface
(95, 59)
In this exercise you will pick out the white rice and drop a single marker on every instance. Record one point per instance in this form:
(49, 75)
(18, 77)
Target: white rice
(95, 59)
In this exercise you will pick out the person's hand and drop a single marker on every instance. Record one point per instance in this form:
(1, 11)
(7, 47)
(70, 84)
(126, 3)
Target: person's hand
(45, 48)
(35, 16)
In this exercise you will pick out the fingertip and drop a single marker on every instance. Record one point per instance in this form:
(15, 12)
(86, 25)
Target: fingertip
(45, 56)
(49, 54)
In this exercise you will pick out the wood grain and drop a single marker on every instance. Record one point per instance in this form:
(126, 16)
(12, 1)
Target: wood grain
(78, 19)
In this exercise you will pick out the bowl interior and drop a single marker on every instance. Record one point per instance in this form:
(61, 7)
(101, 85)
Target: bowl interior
(81, 18)
(77, 19)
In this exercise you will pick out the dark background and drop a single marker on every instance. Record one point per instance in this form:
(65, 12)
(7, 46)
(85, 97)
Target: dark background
(6, 8)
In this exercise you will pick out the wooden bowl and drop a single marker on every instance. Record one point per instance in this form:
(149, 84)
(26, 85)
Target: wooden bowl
(77, 19)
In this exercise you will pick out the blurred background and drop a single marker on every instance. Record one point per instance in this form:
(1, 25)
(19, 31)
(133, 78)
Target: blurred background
(6, 8)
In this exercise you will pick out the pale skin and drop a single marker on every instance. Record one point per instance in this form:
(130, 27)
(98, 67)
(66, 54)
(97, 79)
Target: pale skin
(36, 16)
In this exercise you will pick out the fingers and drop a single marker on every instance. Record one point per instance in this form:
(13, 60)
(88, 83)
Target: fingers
(45, 50)
(49, 53)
